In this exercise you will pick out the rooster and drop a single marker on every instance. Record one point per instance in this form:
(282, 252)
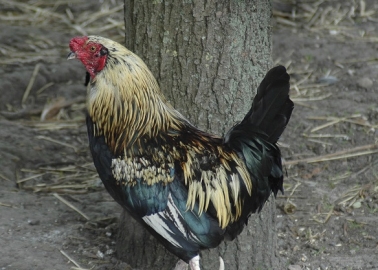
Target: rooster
(189, 188)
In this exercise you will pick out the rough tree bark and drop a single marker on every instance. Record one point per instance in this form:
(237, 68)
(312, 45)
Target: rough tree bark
(208, 57)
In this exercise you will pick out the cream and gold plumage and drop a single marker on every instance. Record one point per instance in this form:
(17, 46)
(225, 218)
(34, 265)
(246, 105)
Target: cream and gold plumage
(189, 188)
(130, 96)
(126, 88)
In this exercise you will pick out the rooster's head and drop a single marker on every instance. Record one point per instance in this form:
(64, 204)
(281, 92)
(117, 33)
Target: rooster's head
(124, 99)
(92, 54)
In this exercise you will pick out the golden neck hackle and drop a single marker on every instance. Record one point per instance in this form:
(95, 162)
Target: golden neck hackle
(125, 102)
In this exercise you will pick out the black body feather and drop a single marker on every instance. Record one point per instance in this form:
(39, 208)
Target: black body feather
(142, 200)
(170, 185)
(255, 138)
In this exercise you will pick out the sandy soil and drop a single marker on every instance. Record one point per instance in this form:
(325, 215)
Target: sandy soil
(328, 215)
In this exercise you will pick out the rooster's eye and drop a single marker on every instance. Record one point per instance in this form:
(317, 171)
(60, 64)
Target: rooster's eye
(93, 49)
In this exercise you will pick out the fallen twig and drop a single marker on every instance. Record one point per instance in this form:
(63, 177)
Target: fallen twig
(56, 141)
(29, 178)
(71, 206)
(354, 152)
(69, 258)
(31, 83)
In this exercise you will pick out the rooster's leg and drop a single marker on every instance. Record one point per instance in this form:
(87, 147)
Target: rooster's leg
(221, 263)
(194, 263)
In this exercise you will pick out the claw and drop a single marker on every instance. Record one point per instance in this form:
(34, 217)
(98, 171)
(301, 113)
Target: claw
(221, 263)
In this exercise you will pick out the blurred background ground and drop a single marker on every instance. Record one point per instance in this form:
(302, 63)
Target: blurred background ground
(54, 211)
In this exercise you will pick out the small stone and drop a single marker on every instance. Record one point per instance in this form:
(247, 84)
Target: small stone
(323, 266)
(100, 255)
(109, 252)
(328, 80)
(304, 258)
(33, 222)
(365, 83)
(295, 267)
(356, 205)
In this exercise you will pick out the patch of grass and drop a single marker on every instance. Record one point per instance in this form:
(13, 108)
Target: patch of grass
(328, 206)
(353, 224)
(309, 58)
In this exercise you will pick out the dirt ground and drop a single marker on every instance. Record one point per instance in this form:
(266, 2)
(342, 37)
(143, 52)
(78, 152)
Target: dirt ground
(54, 210)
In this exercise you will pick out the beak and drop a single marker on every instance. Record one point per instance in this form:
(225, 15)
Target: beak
(71, 55)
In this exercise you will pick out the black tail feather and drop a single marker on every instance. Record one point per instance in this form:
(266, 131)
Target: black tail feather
(271, 107)
(254, 140)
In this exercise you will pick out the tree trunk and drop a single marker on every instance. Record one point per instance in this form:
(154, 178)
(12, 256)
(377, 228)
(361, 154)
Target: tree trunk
(208, 57)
